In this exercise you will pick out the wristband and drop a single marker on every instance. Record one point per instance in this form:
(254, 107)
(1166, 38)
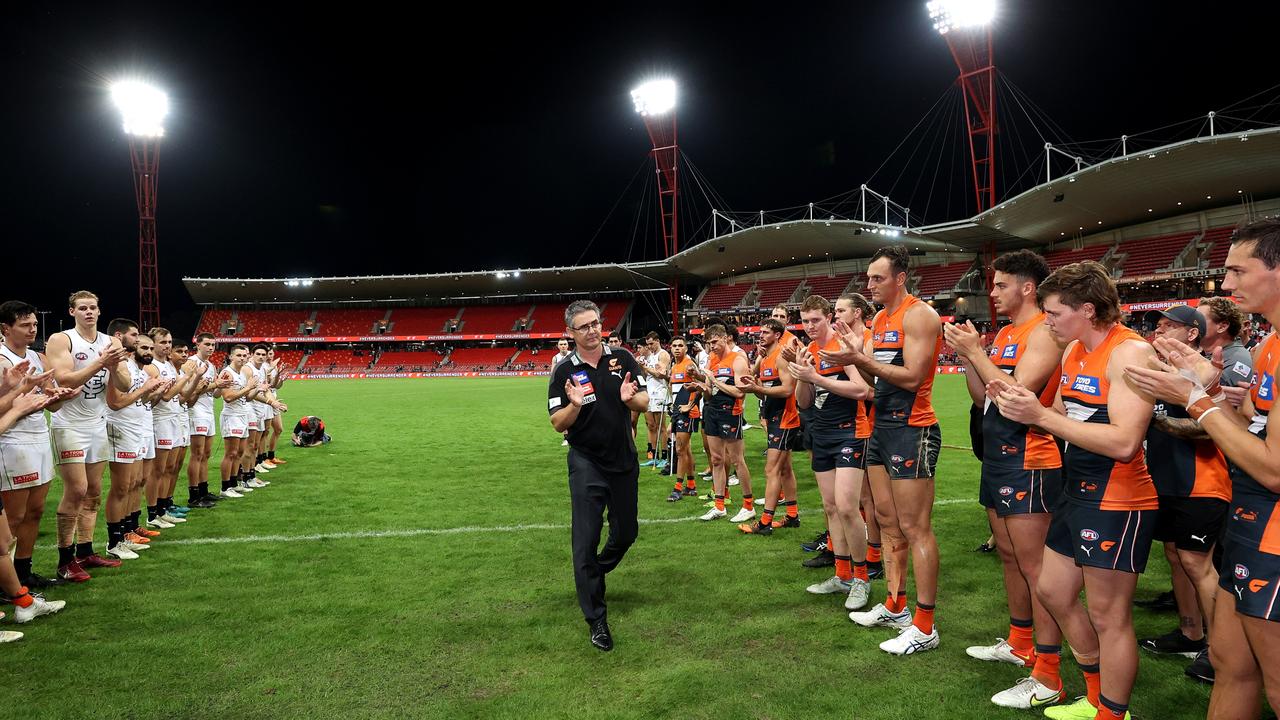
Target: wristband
(1201, 407)
(1206, 412)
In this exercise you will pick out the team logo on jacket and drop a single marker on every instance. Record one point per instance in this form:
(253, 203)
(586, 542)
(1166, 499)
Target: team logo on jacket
(1089, 535)
(1087, 384)
(1241, 572)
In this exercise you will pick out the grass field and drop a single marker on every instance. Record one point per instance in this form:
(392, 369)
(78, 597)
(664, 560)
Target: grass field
(419, 566)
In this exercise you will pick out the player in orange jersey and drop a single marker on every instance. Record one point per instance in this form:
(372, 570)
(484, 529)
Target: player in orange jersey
(1101, 532)
(1021, 471)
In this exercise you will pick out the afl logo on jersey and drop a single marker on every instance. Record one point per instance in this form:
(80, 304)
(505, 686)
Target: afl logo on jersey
(1087, 384)
(82, 356)
(1006, 491)
(1242, 572)
(1089, 535)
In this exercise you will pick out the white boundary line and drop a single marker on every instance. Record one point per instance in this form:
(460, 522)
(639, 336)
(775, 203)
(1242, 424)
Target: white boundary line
(428, 532)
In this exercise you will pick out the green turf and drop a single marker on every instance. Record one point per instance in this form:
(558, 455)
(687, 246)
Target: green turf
(482, 622)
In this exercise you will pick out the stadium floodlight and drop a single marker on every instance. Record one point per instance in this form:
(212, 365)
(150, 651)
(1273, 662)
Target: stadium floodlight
(655, 97)
(948, 15)
(143, 106)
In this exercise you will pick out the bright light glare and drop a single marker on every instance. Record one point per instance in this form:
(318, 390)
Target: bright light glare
(655, 97)
(143, 107)
(948, 15)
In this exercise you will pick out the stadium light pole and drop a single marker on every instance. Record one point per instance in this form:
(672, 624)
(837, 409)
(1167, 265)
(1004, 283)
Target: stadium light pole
(144, 108)
(966, 26)
(656, 102)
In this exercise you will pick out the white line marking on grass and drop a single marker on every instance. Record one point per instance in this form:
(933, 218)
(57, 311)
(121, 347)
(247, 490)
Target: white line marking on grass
(427, 532)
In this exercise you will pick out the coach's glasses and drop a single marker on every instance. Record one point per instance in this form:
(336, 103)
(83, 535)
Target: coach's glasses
(588, 327)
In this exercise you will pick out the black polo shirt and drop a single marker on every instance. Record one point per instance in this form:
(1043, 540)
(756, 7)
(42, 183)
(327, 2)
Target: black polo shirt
(602, 431)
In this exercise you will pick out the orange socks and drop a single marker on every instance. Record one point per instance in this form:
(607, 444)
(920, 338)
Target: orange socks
(844, 568)
(896, 603)
(923, 619)
(748, 502)
(791, 508)
(860, 571)
(1048, 658)
(873, 552)
(766, 518)
(1020, 638)
(1092, 683)
(720, 503)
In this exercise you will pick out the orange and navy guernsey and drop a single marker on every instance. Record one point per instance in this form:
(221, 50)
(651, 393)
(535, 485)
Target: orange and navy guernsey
(1255, 510)
(1090, 478)
(830, 410)
(777, 409)
(1007, 444)
(865, 420)
(1185, 468)
(896, 407)
(721, 368)
(681, 392)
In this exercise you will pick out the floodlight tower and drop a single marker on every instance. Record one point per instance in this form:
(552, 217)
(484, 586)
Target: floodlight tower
(656, 102)
(966, 26)
(144, 108)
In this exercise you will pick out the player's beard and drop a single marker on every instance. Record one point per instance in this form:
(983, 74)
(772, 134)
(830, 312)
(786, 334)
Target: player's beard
(142, 360)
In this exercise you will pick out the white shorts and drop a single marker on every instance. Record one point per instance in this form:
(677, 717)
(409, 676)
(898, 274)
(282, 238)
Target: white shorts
(149, 445)
(253, 422)
(202, 424)
(234, 426)
(24, 465)
(657, 400)
(168, 432)
(127, 445)
(184, 438)
(81, 445)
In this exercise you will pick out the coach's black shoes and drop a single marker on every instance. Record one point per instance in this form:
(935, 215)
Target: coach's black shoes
(1173, 643)
(826, 558)
(600, 635)
(1201, 669)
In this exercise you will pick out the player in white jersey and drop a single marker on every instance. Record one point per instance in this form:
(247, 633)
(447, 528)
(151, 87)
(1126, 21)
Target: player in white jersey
(85, 359)
(277, 377)
(19, 398)
(26, 463)
(236, 396)
(261, 411)
(129, 432)
(169, 422)
(201, 425)
(656, 366)
(179, 355)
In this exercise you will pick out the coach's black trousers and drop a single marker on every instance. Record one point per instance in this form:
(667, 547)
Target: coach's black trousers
(592, 491)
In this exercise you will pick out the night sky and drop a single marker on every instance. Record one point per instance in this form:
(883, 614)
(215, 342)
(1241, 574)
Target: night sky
(368, 141)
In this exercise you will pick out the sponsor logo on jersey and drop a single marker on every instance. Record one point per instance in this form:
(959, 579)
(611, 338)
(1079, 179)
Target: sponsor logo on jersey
(1241, 572)
(891, 336)
(1265, 389)
(1089, 535)
(23, 479)
(205, 428)
(1246, 515)
(584, 382)
(1010, 352)
(1087, 384)
(1008, 449)
(126, 456)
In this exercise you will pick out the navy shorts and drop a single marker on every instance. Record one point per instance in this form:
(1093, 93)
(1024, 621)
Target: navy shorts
(725, 427)
(1191, 524)
(906, 452)
(682, 423)
(1252, 576)
(1013, 491)
(1107, 539)
(833, 448)
(780, 438)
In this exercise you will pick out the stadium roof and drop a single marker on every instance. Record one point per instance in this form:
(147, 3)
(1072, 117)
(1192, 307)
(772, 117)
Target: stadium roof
(1168, 181)
(631, 277)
